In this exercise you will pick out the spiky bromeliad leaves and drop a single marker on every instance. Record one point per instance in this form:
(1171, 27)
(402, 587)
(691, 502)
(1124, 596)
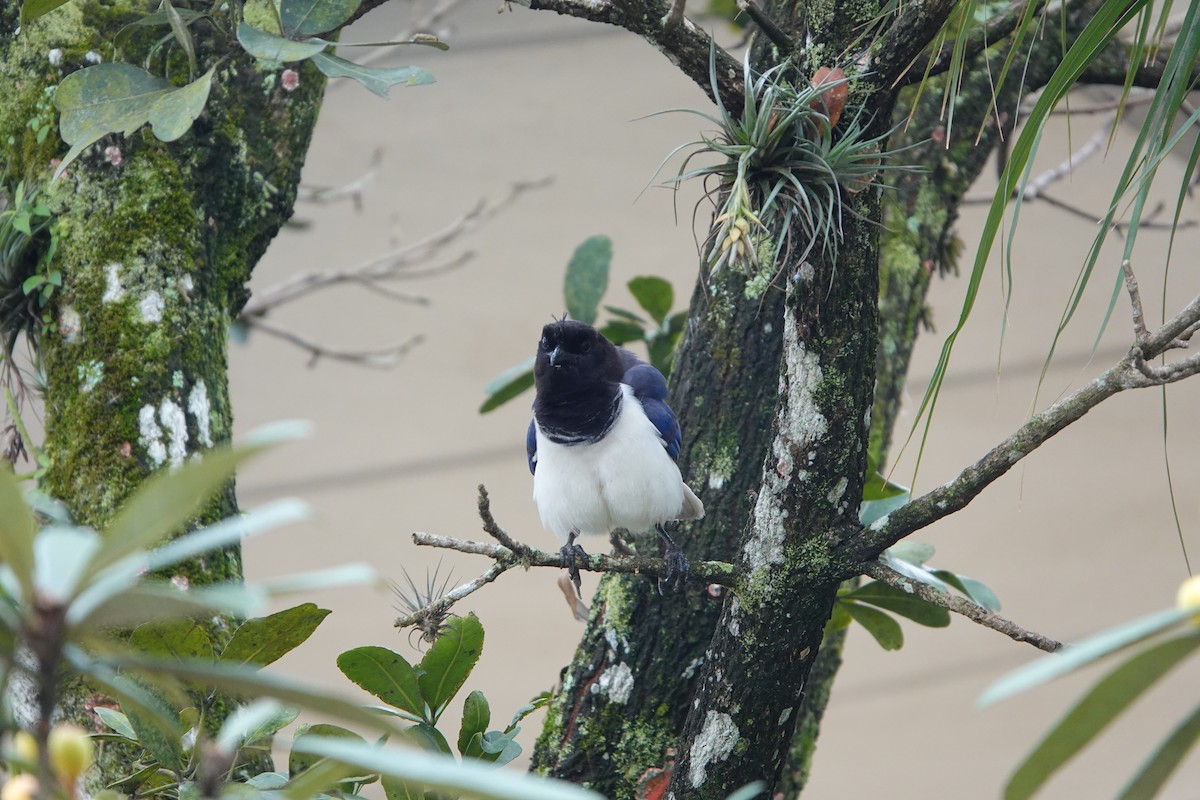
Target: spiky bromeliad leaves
(784, 176)
(27, 246)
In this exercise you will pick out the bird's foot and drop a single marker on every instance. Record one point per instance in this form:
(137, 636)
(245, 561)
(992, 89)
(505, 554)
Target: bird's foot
(678, 567)
(571, 553)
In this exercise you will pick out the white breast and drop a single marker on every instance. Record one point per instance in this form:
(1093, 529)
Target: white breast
(625, 480)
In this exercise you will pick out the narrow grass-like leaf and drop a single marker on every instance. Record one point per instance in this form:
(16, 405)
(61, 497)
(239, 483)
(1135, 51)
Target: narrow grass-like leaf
(443, 773)
(1154, 774)
(1100, 706)
(17, 529)
(1085, 652)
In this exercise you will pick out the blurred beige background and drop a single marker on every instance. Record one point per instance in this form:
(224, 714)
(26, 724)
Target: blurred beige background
(1078, 538)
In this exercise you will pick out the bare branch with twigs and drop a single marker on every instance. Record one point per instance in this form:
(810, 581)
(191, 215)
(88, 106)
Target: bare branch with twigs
(380, 358)
(509, 553)
(960, 605)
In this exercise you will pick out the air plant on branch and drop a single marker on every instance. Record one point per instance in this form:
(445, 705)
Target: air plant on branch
(416, 600)
(784, 177)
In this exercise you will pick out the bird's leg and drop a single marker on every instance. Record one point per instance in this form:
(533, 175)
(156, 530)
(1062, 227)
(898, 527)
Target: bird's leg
(570, 554)
(677, 564)
(620, 546)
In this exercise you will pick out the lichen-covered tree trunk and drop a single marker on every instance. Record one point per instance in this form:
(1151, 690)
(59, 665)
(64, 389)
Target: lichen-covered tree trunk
(156, 243)
(622, 723)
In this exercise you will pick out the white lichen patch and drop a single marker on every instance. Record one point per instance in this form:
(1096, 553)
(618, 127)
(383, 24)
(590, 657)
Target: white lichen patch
(173, 419)
(150, 436)
(735, 612)
(113, 290)
(716, 482)
(839, 489)
(715, 742)
(616, 683)
(90, 375)
(878, 524)
(69, 324)
(765, 545)
(785, 715)
(151, 307)
(201, 411)
(691, 668)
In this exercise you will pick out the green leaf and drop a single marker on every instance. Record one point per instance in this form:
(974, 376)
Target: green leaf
(1055, 665)
(254, 722)
(176, 638)
(587, 278)
(476, 716)
(300, 761)
(116, 721)
(376, 79)
(31, 283)
(168, 499)
(264, 640)
(300, 18)
(399, 790)
(901, 602)
(653, 294)
(120, 98)
(500, 747)
(507, 385)
(182, 35)
(620, 332)
(1100, 706)
(17, 529)
(541, 700)
(628, 316)
(441, 773)
(445, 668)
(269, 47)
(165, 745)
(32, 9)
(1153, 775)
(976, 590)
(882, 626)
(912, 552)
(386, 675)
(426, 737)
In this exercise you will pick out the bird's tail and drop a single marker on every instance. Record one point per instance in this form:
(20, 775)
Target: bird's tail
(692, 507)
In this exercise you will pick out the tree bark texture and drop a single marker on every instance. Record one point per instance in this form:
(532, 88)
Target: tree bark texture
(156, 245)
(738, 666)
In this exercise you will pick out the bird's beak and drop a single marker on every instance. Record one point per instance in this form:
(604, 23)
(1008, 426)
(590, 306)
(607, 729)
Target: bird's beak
(554, 356)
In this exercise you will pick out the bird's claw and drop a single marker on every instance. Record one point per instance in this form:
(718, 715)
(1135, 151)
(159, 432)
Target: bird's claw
(571, 553)
(678, 568)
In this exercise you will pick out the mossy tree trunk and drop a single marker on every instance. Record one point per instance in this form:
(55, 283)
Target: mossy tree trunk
(156, 243)
(780, 397)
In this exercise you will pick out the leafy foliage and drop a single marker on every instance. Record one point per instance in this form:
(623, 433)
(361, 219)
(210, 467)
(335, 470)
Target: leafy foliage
(65, 587)
(28, 242)
(1154, 644)
(584, 285)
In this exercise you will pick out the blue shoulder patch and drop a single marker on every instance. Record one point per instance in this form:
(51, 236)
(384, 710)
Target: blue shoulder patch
(650, 388)
(531, 447)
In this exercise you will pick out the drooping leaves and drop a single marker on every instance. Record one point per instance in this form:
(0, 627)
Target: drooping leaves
(120, 98)
(376, 79)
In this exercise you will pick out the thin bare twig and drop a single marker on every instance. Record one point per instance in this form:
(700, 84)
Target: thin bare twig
(1093, 145)
(960, 605)
(352, 190)
(510, 553)
(767, 25)
(382, 358)
(865, 545)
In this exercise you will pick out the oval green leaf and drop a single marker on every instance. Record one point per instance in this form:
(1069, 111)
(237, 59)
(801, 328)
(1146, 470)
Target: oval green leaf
(263, 640)
(449, 661)
(377, 79)
(386, 675)
(301, 18)
(654, 294)
(269, 47)
(476, 716)
(883, 627)
(587, 278)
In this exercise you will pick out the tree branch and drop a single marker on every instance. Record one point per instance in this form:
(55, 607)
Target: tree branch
(683, 43)
(866, 544)
(959, 605)
(509, 553)
(381, 358)
(778, 35)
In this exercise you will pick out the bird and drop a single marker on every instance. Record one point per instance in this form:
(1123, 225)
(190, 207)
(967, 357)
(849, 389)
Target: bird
(603, 445)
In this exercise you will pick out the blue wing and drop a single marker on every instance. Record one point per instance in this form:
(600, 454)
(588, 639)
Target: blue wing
(650, 387)
(531, 447)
